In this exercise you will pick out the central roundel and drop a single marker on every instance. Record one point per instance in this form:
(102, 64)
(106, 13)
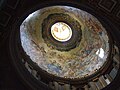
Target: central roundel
(61, 31)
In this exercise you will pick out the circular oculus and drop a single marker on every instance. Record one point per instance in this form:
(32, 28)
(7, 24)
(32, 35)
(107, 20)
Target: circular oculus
(61, 31)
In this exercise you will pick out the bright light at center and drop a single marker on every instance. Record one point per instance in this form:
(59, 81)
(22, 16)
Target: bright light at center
(61, 31)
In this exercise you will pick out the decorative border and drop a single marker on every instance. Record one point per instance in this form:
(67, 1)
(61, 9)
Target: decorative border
(102, 4)
(54, 44)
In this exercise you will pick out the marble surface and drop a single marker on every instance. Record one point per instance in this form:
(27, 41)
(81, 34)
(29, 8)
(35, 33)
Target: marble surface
(79, 62)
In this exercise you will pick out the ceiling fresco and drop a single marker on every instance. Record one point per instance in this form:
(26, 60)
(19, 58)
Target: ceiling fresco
(84, 60)
(61, 31)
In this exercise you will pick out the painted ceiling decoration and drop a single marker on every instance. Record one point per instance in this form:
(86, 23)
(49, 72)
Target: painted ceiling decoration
(50, 40)
(61, 31)
(65, 41)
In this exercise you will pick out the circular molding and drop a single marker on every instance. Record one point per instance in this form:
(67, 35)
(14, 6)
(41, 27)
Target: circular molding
(16, 46)
(52, 42)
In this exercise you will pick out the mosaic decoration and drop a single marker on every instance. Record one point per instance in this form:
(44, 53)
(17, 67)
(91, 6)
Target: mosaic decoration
(82, 61)
(51, 42)
(61, 31)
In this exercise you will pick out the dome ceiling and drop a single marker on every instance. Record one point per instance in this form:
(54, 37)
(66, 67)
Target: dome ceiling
(64, 41)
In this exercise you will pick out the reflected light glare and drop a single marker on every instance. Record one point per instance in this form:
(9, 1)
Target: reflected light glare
(100, 53)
